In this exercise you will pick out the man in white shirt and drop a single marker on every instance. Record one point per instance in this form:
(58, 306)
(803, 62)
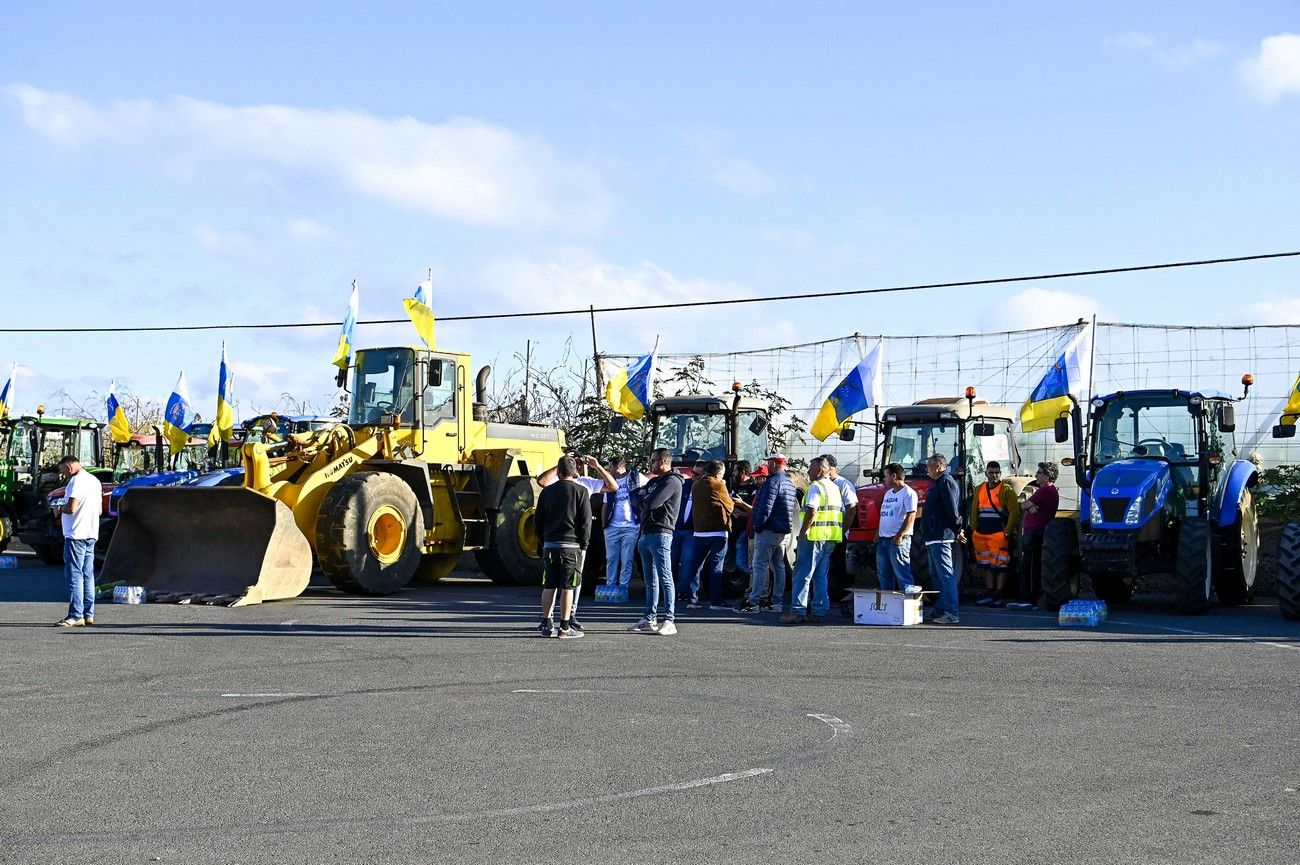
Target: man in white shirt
(894, 538)
(80, 508)
(621, 516)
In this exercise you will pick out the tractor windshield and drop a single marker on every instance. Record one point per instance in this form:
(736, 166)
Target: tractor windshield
(131, 459)
(752, 445)
(1145, 425)
(912, 444)
(383, 386)
(695, 436)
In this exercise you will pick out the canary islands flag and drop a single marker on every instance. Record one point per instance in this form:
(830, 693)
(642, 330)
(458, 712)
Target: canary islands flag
(7, 392)
(178, 416)
(224, 424)
(860, 389)
(1289, 412)
(419, 307)
(118, 426)
(629, 389)
(343, 354)
(1068, 377)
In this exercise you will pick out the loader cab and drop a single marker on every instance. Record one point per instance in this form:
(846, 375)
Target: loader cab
(711, 428)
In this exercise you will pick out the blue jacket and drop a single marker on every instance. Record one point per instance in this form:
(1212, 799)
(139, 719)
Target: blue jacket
(942, 511)
(775, 505)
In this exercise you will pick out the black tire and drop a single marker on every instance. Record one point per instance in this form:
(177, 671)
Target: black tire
(511, 558)
(368, 534)
(50, 554)
(1112, 588)
(1287, 572)
(1060, 577)
(1193, 571)
(1234, 581)
(920, 563)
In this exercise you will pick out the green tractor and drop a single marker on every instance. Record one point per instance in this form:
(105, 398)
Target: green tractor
(30, 450)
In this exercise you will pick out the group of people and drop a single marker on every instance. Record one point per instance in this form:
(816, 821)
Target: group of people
(679, 528)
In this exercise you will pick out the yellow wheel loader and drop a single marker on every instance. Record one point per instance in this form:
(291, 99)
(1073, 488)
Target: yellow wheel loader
(415, 477)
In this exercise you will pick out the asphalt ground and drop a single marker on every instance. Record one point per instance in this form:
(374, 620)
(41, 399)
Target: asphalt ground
(437, 726)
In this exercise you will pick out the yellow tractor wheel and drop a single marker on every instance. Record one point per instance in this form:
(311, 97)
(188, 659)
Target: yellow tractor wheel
(511, 558)
(6, 529)
(368, 534)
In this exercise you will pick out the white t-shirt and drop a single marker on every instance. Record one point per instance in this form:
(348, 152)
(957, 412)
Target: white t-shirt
(894, 509)
(622, 505)
(848, 495)
(84, 524)
(593, 485)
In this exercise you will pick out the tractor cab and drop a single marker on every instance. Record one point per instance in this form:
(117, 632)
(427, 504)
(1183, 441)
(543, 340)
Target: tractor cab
(138, 455)
(727, 429)
(1156, 452)
(968, 431)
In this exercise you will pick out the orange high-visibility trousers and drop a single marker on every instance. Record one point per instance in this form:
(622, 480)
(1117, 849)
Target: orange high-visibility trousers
(992, 551)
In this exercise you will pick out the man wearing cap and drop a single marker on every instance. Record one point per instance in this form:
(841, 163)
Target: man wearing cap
(772, 520)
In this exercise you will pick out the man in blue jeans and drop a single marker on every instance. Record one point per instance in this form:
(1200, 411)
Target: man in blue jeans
(941, 528)
(894, 538)
(823, 528)
(660, 500)
(79, 509)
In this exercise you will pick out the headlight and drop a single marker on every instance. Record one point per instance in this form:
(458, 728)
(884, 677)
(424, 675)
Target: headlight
(1094, 512)
(1134, 512)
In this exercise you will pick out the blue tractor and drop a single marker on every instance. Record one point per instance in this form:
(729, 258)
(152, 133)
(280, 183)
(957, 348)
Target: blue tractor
(1161, 490)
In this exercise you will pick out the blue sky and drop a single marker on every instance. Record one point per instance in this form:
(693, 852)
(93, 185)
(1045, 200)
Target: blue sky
(245, 162)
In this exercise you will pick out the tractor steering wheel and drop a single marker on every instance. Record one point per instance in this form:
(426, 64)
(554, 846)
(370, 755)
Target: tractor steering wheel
(1162, 445)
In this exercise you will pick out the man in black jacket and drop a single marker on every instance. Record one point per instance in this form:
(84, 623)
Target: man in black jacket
(941, 528)
(660, 502)
(563, 523)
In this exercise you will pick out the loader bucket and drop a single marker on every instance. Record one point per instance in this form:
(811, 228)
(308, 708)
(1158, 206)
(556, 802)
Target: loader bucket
(231, 544)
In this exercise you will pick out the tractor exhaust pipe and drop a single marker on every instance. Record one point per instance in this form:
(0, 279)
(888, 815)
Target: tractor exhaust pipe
(480, 393)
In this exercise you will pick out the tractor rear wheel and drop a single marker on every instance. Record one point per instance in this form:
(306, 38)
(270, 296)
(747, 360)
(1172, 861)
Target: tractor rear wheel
(1193, 573)
(920, 563)
(368, 534)
(511, 558)
(1287, 571)
(1060, 578)
(1235, 580)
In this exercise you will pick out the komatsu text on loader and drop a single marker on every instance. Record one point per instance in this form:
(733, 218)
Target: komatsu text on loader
(416, 476)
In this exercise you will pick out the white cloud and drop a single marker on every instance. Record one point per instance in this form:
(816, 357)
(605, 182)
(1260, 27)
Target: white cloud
(1282, 310)
(1275, 71)
(717, 164)
(1037, 307)
(309, 231)
(233, 246)
(464, 170)
(1174, 58)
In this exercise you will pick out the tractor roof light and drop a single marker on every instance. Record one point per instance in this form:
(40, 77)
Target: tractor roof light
(970, 392)
(1098, 402)
(1247, 379)
(1195, 400)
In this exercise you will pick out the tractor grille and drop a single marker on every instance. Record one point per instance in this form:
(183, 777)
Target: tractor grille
(1112, 510)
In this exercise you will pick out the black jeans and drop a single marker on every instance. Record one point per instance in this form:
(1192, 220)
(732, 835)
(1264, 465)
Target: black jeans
(1031, 566)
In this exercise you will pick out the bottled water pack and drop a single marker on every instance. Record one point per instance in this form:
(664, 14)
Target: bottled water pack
(611, 594)
(1082, 614)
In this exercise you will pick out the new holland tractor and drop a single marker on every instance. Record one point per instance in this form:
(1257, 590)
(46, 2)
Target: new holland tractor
(1160, 491)
(416, 476)
(967, 430)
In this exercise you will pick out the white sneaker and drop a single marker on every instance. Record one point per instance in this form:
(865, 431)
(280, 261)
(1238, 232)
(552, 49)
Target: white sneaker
(666, 629)
(645, 626)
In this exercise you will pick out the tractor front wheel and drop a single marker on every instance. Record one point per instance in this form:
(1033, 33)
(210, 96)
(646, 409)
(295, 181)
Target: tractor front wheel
(1235, 581)
(1193, 573)
(1287, 571)
(511, 558)
(368, 534)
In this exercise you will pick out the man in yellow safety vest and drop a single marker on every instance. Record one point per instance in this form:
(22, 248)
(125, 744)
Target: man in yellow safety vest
(824, 511)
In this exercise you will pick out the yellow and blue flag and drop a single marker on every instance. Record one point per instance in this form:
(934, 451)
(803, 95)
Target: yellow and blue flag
(860, 389)
(343, 354)
(1069, 377)
(118, 426)
(7, 392)
(629, 389)
(224, 423)
(419, 307)
(1292, 408)
(178, 416)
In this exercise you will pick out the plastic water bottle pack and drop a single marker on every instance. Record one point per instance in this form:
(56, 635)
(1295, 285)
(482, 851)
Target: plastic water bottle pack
(611, 594)
(1082, 614)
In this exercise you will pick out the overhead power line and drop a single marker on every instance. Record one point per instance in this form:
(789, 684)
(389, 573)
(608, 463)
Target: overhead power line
(589, 310)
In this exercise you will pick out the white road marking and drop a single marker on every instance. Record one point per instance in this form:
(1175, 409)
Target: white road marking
(271, 695)
(837, 726)
(1232, 637)
(550, 691)
(289, 623)
(601, 800)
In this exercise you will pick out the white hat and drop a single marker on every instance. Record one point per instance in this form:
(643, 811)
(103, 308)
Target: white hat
(777, 457)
